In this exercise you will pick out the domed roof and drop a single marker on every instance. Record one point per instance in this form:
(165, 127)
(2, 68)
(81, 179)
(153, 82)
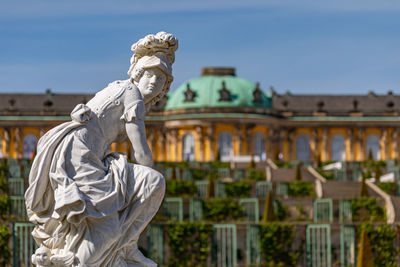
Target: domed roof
(217, 88)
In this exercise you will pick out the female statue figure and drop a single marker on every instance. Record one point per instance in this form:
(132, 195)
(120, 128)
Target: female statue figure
(90, 205)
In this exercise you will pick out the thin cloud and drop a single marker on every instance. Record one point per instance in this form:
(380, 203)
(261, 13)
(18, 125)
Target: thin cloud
(50, 8)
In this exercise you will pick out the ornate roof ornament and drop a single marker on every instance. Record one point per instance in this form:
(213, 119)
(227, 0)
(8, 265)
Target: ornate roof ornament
(189, 94)
(224, 94)
(257, 94)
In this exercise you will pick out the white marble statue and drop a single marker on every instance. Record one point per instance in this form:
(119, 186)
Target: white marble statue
(89, 205)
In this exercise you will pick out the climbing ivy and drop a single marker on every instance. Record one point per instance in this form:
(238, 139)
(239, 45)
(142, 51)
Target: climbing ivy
(301, 189)
(276, 243)
(222, 209)
(238, 189)
(383, 247)
(189, 244)
(180, 188)
(5, 233)
(366, 209)
(388, 187)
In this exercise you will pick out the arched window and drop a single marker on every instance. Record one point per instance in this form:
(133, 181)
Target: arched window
(338, 149)
(225, 144)
(259, 145)
(188, 147)
(373, 146)
(30, 142)
(303, 147)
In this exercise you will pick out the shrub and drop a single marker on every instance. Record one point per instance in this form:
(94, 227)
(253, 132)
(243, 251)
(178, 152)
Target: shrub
(189, 244)
(363, 188)
(199, 174)
(180, 188)
(301, 189)
(298, 175)
(238, 189)
(269, 212)
(222, 209)
(382, 244)
(210, 187)
(366, 209)
(387, 187)
(276, 243)
(365, 257)
(255, 175)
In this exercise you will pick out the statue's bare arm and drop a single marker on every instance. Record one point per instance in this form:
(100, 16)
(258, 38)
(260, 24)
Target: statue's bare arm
(137, 135)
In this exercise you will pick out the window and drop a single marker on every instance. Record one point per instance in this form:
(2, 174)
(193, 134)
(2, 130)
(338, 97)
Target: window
(338, 150)
(188, 147)
(259, 145)
(303, 148)
(373, 146)
(30, 142)
(225, 144)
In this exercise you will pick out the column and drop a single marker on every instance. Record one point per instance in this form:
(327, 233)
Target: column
(150, 138)
(238, 139)
(7, 140)
(325, 144)
(211, 139)
(200, 140)
(395, 142)
(315, 140)
(17, 142)
(271, 143)
(361, 145)
(350, 137)
(175, 142)
(290, 138)
(160, 143)
(384, 141)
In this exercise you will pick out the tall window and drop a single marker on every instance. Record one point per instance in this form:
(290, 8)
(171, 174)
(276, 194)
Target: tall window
(225, 144)
(259, 145)
(188, 147)
(338, 149)
(373, 146)
(303, 147)
(30, 142)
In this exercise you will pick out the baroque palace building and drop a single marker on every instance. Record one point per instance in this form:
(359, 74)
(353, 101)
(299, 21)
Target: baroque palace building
(220, 115)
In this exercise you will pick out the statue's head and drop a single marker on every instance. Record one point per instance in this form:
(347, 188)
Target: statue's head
(153, 59)
(41, 257)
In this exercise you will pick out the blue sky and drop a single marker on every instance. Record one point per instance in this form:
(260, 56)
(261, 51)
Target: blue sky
(306, 47)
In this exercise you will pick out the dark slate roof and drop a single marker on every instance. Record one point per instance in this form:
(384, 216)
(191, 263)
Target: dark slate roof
(39, 104)
(339, 105)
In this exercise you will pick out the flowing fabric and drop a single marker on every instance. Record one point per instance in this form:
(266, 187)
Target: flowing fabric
(85, 201)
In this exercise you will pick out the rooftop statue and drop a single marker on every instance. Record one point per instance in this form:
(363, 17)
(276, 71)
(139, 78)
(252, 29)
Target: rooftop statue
(88, 205)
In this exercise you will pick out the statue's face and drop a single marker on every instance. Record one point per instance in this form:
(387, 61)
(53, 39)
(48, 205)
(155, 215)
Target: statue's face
(151, 83)
(42, 256)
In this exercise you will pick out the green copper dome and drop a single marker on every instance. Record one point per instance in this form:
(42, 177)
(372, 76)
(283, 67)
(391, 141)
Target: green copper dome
(217, 88)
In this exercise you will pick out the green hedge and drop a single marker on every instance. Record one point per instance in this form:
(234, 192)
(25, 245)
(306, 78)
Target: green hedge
(238, 189)
(301, 189)
(222, 209)
(276, 243)
(189, 244)
(387, 187)
(366, 209)
(180, 188)
(382, 239)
